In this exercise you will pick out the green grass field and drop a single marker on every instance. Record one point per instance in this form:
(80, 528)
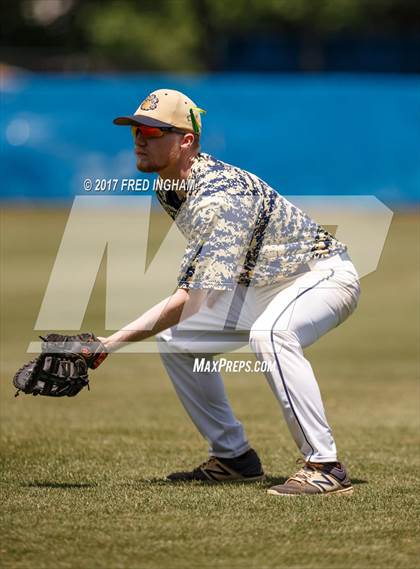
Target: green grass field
(82, 478)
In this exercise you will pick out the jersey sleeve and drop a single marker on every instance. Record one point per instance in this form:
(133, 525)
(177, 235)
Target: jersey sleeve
(222, 226)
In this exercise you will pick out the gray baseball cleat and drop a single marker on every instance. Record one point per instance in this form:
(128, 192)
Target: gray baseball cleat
(244, 468)
(315, 478)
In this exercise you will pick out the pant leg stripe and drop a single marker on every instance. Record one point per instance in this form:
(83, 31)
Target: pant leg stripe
(278, 362)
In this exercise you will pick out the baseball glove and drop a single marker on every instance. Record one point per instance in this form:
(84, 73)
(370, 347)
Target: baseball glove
(62, 367)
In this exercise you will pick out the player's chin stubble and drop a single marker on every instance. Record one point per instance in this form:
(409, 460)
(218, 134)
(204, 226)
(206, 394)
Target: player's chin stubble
(147, 166)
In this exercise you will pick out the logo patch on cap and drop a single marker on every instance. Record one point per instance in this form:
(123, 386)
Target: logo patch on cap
(149, 103)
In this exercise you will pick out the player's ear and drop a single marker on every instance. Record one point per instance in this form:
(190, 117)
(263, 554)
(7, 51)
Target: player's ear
(188, 140)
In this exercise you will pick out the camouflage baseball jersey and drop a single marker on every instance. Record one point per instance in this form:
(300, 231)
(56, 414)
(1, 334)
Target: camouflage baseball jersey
(239, 229)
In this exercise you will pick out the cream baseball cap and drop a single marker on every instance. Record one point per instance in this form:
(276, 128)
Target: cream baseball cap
(166, 108)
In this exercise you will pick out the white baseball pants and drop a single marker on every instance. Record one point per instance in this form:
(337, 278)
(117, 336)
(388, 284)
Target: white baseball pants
(279, 321)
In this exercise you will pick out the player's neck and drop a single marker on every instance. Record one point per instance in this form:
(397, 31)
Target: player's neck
(179, 170)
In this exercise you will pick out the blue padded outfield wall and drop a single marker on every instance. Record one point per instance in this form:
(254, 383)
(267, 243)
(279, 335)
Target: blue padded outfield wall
(322, 134)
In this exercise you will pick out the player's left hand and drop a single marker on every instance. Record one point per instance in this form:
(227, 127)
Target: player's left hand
(62, 367)
(87, 345)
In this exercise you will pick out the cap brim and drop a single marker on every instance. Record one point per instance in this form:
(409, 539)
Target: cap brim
(134, 120)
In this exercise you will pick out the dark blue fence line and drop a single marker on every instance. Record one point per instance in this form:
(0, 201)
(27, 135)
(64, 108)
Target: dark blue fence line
(335, 134)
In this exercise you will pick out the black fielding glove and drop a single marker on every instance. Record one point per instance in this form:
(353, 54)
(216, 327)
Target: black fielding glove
(86, 344)
(62, 367)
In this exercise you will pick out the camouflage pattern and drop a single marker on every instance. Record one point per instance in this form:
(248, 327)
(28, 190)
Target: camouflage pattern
(239, 229)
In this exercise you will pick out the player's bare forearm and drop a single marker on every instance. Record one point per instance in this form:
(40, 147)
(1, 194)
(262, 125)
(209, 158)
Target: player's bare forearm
(163, 315)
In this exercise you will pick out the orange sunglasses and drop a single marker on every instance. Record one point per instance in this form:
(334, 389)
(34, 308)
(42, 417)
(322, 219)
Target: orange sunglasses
(152, 131)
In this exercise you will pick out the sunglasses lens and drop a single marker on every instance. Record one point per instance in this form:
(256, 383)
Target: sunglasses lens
(146, 131)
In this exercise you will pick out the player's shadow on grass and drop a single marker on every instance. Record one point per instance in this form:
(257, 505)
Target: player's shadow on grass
(59, 485)
(268, 481)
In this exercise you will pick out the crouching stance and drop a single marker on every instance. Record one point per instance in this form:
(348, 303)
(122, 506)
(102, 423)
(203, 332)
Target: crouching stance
(256, 269)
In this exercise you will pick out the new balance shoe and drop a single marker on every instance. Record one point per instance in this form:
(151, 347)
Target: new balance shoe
(316, 478)
(244, 468)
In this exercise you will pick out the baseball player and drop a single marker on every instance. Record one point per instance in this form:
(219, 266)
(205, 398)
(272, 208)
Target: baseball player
(256, 269)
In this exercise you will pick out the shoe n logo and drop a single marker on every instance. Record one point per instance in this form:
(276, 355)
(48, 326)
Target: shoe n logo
(216, 474)
(322, 483)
